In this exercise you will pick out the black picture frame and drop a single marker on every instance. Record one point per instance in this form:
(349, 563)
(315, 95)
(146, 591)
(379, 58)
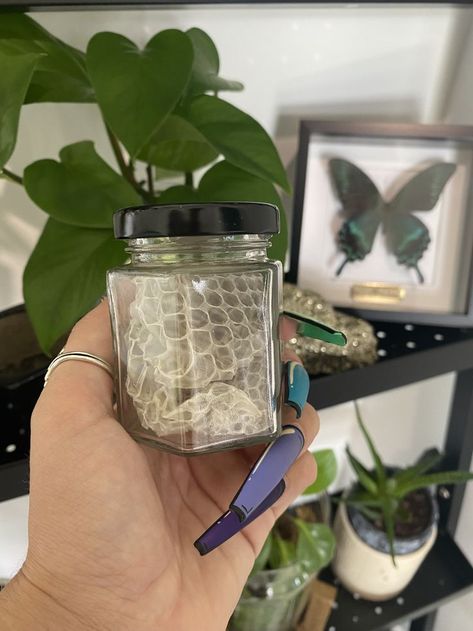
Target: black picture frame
(81, 5)
(461, 134)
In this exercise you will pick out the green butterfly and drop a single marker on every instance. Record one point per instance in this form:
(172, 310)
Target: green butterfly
(407, 237)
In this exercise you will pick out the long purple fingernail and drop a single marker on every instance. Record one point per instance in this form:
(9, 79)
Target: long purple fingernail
(229, 524)
(268, 469)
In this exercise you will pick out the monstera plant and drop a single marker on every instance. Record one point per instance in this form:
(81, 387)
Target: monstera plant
(166, 123)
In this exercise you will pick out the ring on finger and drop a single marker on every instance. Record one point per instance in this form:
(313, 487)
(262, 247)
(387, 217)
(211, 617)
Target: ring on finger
(77, 356)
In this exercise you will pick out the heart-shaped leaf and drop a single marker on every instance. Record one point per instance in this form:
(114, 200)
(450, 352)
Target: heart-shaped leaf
(65, 276)
(15, 75)
(60, 75)
(315, 545)
(282, 552)
(326, 471)
(178, 146)
(80, 190)
(227, 183)
(179, 195)
(263, 557)
(207, 65)
(137, 89)
(238, 137)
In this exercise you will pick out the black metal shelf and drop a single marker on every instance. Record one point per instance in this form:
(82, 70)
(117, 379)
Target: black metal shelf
(407, 354)
(445, 575)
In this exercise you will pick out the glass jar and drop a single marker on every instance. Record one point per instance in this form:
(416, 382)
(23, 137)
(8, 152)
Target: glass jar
(195, 325)
(272, 599)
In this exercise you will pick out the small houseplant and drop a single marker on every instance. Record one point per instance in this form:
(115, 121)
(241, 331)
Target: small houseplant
(174, 139)
(299, 545)
(387, 522)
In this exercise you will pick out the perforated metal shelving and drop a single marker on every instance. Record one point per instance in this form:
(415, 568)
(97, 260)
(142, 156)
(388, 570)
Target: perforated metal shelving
(408, 354)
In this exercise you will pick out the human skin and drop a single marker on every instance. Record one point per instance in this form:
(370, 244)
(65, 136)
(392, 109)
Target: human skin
(111, 522)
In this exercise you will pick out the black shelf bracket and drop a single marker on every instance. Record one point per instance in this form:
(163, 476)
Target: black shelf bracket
(458, 452)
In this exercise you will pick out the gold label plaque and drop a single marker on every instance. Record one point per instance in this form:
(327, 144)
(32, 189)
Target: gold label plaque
(379, 293)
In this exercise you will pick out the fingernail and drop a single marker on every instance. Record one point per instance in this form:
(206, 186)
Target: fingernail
(100, 300)
(229, 524)
(297, 386)
(308, 327)
(271, 467)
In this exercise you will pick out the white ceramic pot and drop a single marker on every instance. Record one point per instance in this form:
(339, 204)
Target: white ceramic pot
(370, 572)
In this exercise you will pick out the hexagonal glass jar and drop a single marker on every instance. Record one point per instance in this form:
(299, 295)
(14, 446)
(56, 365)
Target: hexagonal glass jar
(195, 325)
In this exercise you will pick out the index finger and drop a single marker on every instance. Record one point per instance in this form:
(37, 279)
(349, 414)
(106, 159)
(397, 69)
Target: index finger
(287, 328)
(80, 386)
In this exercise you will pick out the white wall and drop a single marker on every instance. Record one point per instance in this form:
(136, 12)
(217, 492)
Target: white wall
(383, 63)
(367, 62)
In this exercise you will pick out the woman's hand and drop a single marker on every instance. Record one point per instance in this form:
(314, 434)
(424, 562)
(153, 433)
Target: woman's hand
(112, 523)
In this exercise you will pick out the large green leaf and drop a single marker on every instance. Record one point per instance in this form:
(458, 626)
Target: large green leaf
(207, 65)
(60, 75)
(282, 552)
(326, 471)
(360, 497)
(442, 477)
(65, 276)
(237, 136)
(225, 182)
(178, 146)
(315, 545)
(427, 461)
(179, 195)
(80, 190)
(137, 89)
(389, 510)
(364, 476)
(263, 556)
(15, 76)
(378, 464)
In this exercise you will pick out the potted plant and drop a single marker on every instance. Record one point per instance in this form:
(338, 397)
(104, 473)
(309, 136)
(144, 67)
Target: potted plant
(172, 136)
(299, 545)
(387, 522)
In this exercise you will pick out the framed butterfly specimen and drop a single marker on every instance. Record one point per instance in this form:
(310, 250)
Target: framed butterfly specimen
(366, 211)
(383, 219)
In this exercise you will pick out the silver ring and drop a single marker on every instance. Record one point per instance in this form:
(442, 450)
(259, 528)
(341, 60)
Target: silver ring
(78, 356)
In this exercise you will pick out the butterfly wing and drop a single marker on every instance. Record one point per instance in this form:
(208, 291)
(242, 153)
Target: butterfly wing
(362, 204)
(423, 191)
(407, 236)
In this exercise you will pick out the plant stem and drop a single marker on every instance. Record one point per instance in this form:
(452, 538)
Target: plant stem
(127, 170)
(149, 175)
(117, 152)
(189, 179)
(12, 176)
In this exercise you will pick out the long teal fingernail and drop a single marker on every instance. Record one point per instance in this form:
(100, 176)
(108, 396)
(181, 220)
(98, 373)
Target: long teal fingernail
(308, 327)
(297, 386)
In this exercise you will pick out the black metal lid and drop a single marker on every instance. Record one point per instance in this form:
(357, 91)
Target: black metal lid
(183, 220)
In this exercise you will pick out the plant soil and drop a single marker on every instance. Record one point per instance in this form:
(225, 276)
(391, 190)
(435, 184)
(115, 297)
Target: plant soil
(308, 512)
(415, 512)
(20, 354)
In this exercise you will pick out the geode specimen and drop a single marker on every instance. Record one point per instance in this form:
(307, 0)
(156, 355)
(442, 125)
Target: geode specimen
(319, 357)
